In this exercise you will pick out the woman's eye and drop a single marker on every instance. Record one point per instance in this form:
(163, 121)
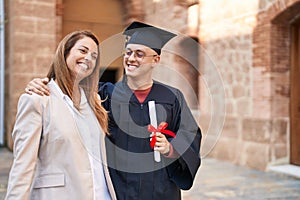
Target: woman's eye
(82, 50)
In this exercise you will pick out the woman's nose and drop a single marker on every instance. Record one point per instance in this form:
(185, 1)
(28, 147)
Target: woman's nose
(88, 57)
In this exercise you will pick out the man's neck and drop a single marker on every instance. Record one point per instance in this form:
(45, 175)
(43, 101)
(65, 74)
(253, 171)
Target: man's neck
(139, 84)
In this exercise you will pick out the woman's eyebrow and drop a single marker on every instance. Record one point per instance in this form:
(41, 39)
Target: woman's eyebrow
(89, 49)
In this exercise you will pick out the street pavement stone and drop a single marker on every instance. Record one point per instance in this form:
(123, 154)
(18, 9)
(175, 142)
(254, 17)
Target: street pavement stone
(5, 164)
(215, 180)
(218, 180)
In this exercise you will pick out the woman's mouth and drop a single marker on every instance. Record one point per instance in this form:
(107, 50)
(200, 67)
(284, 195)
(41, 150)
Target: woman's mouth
(83, 66)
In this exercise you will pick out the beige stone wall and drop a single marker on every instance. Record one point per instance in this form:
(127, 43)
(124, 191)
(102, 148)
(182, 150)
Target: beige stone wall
(227, 39)
(31, 42)
(227, 45)
(250, 51)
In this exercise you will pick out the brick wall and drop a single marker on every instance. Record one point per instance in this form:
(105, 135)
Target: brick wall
(31, 42)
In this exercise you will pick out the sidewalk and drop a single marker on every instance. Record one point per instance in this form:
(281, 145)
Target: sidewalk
(215, 180)
(5, 163)
(218, 180)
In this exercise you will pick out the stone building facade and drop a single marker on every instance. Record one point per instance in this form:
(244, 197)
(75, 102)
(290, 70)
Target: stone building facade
(253, 46)
(238, 70)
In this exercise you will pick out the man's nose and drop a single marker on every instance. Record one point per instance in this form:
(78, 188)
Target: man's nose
(132, 56)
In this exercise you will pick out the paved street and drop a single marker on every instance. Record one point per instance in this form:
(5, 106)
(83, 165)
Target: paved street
(215, 180)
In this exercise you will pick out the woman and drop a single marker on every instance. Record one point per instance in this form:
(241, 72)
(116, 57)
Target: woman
(59, 139)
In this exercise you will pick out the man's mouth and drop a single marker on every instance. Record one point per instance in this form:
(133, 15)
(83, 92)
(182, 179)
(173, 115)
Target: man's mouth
(131, 67)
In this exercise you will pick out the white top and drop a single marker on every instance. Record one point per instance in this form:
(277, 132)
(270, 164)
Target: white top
(90, 131)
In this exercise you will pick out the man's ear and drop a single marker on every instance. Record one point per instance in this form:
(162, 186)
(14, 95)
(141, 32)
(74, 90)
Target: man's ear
(157, 59)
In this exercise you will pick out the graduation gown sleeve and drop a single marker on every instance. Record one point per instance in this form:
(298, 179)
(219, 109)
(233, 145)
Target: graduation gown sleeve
(105, 90)
(187, 144)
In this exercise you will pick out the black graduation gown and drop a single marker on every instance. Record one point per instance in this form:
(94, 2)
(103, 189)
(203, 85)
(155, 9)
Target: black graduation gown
(135, 174)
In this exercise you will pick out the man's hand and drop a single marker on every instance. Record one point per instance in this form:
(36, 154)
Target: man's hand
(162, 144)
(38, 86)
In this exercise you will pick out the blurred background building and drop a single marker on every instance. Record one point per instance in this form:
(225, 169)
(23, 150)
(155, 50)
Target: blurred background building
(236, 61)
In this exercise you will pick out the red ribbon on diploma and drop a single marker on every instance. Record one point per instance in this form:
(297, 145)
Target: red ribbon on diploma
(162, 129)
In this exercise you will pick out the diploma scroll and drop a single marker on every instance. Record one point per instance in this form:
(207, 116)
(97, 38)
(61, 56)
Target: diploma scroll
(153, 121)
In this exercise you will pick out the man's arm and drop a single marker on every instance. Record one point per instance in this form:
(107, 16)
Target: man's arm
(38, 86)
(187, 144)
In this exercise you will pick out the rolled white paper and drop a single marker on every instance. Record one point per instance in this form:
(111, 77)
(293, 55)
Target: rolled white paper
(153, 121)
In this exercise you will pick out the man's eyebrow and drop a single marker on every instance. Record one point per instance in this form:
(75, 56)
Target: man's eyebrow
(143, 50)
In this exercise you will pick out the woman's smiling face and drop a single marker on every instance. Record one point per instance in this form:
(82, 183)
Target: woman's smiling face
(82, 58)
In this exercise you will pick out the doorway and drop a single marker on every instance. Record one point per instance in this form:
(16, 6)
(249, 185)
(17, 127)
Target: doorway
(104, 18)
(295, 94)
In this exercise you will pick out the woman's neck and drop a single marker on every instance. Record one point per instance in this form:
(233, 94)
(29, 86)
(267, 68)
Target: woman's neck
(76, 95)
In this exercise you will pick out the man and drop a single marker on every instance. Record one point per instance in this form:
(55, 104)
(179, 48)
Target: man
(134, 171)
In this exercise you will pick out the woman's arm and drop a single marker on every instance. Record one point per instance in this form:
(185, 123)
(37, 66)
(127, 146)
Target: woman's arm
(26, 136)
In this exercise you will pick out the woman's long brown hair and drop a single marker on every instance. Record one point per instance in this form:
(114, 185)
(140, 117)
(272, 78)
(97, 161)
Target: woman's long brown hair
(60, 72)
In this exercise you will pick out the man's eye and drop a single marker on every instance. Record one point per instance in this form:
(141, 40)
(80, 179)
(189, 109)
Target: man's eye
(128, 53)
(140, 54)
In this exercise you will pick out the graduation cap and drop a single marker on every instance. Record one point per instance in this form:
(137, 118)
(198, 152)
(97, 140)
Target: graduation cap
(150, 36)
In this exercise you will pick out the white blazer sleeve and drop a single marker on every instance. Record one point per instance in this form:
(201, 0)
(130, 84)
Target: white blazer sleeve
(26, 136)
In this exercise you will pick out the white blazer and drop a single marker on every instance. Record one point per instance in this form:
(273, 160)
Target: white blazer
(50, 160)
